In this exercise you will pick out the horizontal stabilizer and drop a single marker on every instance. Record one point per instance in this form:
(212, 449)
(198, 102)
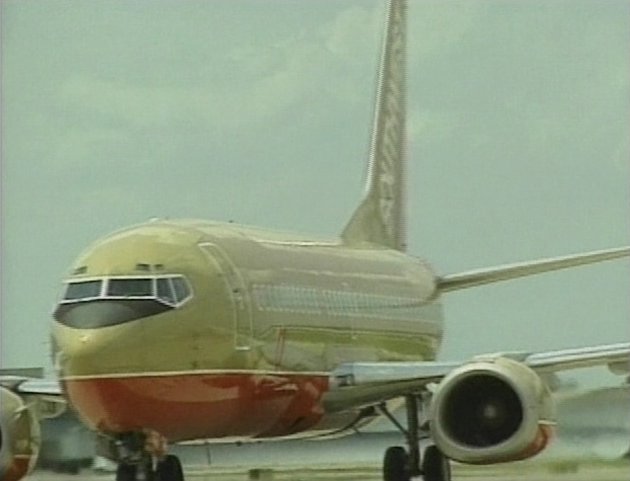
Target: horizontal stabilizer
(479, 277)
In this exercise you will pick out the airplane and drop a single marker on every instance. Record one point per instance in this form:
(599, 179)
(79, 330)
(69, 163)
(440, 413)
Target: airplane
(175, 330)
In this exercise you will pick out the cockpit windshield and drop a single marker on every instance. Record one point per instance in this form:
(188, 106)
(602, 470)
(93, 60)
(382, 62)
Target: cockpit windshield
(83, 290)
(172, 290)
(130, 287)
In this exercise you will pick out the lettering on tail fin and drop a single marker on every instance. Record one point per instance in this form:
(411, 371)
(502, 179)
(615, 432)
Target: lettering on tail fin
(380, 218)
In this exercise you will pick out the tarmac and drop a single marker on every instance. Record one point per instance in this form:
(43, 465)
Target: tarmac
(521, 471)
(597, 457)
(594, 445)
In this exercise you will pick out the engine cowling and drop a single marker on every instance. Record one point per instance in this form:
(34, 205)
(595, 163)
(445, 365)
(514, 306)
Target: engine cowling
(19, 437)
(491, 411)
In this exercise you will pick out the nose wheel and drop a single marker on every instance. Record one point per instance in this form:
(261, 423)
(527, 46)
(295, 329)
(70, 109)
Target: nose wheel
(168, 468)
(400, 464)
(143, 457)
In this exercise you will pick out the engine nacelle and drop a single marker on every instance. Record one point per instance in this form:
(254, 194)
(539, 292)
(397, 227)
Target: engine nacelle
(19, 437)
(491, 411)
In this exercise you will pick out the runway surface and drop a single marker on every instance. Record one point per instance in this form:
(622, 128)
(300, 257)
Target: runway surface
(618, 471)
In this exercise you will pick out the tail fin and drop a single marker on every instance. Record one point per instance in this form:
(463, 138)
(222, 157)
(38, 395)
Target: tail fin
(381, 216)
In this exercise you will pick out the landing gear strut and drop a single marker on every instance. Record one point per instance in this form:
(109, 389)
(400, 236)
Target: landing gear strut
(142, 457)
(400, 464)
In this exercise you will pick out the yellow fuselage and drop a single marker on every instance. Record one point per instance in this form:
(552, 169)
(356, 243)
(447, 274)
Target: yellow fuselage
(247, 353)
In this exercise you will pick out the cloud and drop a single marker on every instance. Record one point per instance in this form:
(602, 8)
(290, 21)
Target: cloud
(435, 27)
(269, 80)
(427, 126)
(347, 35)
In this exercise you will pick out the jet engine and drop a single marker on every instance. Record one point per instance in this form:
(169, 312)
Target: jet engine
(491, 411)
(19, 436)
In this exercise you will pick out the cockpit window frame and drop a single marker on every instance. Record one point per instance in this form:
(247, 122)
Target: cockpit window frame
(105, 280)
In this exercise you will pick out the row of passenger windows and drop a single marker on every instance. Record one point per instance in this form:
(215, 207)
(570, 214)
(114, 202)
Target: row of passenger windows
(309, 300)
(171, 290)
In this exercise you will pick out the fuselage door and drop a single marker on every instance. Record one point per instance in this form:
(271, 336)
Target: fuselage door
(243, 328)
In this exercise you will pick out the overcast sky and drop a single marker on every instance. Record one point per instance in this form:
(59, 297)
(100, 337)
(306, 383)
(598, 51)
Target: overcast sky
(259, 112)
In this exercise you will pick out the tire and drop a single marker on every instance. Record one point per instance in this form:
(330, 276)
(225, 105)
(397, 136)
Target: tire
(169, 469)
(435, 466)
(395, 464)
(126, 472)
(71, 467)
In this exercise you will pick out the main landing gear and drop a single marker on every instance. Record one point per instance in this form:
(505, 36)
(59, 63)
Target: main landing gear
(402, 464)
(142, 457)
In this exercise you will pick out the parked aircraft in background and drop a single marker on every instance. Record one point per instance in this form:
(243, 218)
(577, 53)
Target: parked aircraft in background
(186, 329)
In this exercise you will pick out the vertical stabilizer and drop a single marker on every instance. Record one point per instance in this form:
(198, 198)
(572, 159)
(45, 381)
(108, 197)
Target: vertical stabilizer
(381, 216)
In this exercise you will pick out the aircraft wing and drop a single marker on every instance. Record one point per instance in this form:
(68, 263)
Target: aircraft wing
(43, 395)
(48, 387)
(360, 384)
(23, 385)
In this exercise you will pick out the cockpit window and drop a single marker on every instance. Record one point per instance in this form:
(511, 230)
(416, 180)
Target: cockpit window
(83, 290)
(181, 288)
(130, 287)
(165, 291)
(172, 290)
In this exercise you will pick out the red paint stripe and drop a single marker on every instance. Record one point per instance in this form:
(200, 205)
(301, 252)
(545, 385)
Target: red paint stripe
(194, 406)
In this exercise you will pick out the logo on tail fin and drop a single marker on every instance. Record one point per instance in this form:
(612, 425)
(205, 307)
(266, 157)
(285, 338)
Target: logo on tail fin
(380, 218)
(390, 149)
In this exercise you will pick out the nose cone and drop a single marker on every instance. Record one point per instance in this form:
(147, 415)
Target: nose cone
(137, 322)
(144, 273)
(97, 352)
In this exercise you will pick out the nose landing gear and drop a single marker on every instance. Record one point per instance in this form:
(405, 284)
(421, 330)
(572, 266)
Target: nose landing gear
(143, 457)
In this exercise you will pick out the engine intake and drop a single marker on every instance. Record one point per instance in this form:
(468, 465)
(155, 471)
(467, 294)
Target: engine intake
(491, 411)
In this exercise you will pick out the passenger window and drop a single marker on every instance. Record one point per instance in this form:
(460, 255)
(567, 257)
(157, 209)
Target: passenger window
(129, 288)
(164, 291)
(82, 290)
(181, 288)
